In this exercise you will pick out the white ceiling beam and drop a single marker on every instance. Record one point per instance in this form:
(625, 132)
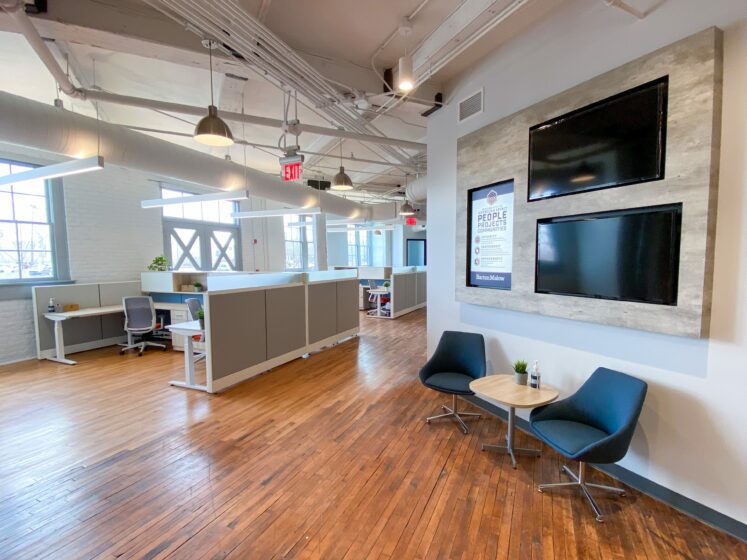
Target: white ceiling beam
(469, 22)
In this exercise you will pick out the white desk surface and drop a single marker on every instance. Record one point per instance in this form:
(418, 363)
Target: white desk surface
(378, 290)
(188, 327)
(96, 311)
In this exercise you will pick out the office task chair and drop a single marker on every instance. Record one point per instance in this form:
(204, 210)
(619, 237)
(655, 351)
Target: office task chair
(194, 305)
(459, 358)
(140, 320)
(594, 425)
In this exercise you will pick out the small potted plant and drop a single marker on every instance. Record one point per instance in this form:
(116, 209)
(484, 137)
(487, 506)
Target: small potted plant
(201, 318)
(387, 284)
(159, 264)
(520, 372)
(197, 286)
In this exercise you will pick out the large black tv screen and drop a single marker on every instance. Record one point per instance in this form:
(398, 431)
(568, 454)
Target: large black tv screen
(617, 141)
(628, 255)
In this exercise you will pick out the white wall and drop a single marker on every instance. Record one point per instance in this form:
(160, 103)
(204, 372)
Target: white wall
(693, 429)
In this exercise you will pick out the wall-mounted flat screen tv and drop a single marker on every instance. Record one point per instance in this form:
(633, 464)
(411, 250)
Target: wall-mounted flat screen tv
(614, 142)
(627, 255)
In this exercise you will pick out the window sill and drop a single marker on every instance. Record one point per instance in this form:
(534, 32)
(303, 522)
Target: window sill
(22, 289)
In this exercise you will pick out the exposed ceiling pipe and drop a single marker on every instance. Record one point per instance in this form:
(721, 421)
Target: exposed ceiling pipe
(106, 97)
(15, 8)
(37, 125)
(241, 142)
(260, 49)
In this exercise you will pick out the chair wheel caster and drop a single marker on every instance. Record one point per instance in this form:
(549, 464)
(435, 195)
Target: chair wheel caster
(121, 352)
(139, 354)
(540, 490)
(427, 421)
(600, 519)
(622, 495)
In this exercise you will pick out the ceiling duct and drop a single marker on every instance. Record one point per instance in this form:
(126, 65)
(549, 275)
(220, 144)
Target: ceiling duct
(47, 128)
(263, 51)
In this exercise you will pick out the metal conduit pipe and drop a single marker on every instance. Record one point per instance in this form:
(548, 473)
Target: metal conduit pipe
(105, 97)
(16, 10)
(36, 125)
(248, 37)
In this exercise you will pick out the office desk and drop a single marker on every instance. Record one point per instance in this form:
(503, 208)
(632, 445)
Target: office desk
(59, 317)
(188, 330)
(378, 292)
(503, 389)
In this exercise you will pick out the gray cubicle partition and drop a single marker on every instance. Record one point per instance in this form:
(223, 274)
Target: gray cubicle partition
(286, 320)
(253, 329)
(84, 333)
(333, 309)
(408, 289)
(238, 331)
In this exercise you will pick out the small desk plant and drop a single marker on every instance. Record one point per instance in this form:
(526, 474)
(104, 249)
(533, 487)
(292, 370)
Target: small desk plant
(197, 286)
(201, 318)
(159, 264)
(520, 372)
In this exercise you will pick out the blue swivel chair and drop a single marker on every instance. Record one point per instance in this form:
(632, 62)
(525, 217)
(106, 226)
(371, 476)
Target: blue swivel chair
(459, 358)
(594, 425)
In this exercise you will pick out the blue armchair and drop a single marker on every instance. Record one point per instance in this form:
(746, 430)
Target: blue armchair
(459, 358)
(594, 425)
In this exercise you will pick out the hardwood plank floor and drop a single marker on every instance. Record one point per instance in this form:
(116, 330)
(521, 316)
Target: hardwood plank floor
(327, 457)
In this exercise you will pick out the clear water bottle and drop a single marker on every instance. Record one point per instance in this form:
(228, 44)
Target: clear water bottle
(534, 381)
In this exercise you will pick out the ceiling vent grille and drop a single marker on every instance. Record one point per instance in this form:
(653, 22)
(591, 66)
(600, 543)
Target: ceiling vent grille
(470, 106)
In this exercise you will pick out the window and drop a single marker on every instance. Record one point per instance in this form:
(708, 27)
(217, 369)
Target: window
(300, 253)
(28, 229)
(201, 235)
(359, 248)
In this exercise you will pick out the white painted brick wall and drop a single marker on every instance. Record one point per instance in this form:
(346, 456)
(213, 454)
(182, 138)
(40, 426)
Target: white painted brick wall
(109, 237)
(17, 338)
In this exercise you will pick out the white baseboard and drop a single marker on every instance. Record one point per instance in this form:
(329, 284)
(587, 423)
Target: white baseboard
(409, 310)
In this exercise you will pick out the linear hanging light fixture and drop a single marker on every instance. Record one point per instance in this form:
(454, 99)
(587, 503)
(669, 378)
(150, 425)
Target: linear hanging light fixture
(73, 167)
(225, 195)
(276, 213)
(212, 130)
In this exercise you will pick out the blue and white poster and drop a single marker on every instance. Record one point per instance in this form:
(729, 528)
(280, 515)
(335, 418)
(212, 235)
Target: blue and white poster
(491, 235)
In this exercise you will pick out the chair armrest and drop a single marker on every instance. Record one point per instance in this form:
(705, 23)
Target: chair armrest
(559, 410)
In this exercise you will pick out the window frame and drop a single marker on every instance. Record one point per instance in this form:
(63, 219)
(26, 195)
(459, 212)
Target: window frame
(204, 230)
(355, 250)
(307, 246)
(20, 288)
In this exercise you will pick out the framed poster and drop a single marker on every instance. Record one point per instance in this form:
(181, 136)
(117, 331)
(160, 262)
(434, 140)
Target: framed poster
(490, 229)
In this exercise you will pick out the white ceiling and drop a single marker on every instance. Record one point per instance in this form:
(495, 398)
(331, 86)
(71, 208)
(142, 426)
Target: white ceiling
(137, 51)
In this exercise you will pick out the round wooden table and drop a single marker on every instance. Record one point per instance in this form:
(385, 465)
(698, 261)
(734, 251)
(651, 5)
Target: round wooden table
(503, 389)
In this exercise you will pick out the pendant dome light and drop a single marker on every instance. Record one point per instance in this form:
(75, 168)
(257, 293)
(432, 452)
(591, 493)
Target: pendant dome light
(212, 130)
(341, 181)
(406, 209)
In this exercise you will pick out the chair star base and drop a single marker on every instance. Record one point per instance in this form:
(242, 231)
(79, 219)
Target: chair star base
(580, 482)
(454, 413)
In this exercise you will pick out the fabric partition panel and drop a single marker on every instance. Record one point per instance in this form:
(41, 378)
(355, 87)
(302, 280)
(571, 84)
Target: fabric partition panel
(421, 287)
(286, 320)
(348, 315)
(238, 334)
(323, 310)
(77, 331)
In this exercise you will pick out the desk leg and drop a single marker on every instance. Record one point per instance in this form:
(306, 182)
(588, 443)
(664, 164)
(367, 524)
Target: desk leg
(509, 447)
(59, 346)
(189, 367)
(378, 305)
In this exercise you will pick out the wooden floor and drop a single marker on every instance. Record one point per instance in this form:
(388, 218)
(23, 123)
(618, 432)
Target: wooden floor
(326, 458)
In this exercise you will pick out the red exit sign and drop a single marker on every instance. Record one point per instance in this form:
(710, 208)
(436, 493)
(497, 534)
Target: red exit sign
(292, 171)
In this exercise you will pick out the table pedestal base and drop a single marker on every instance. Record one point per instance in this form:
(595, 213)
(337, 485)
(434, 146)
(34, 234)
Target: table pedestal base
(509, 447)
